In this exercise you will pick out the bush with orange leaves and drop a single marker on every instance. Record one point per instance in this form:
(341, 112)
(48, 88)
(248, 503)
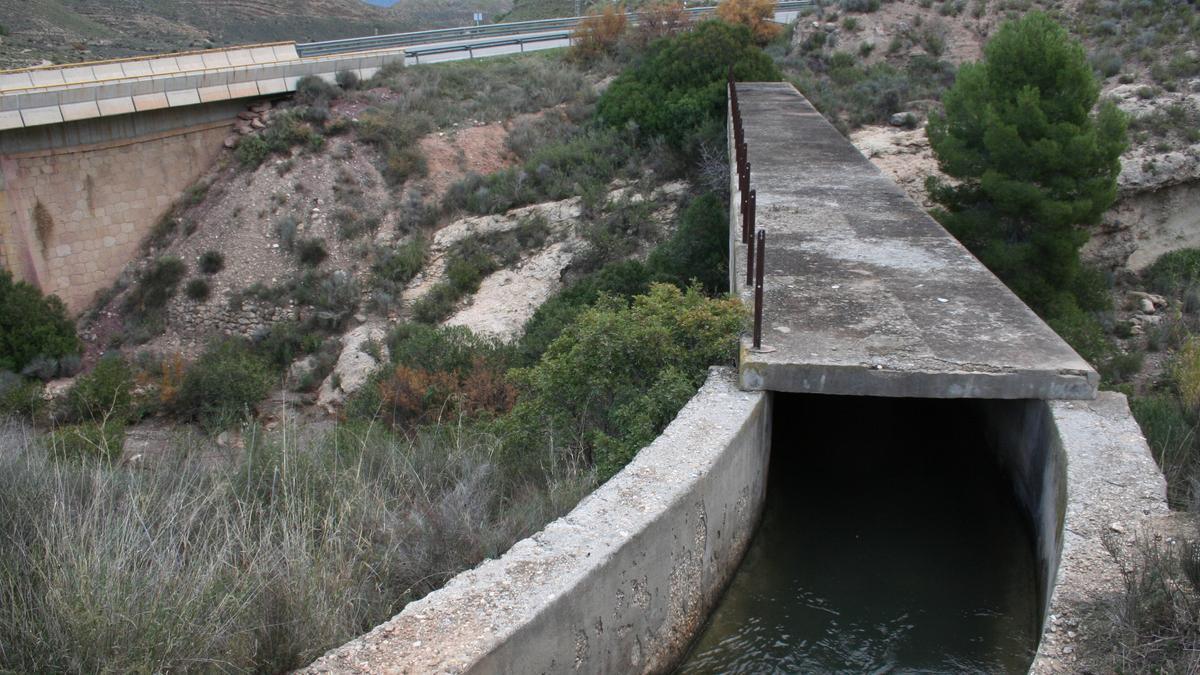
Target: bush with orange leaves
(658, 20)
(598, 34)
(757, 15)
(415, 395)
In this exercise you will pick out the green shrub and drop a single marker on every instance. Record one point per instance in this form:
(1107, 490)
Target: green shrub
(283, 344)
(622, 280)
(616, 377)
(212, 262)
(155, 286)
(315, 91)
(311, 251)
(224, 384)
(582, 165)
(90, 440)
(437, 303)
(1174, 271)
(698, 250)
(347, 79)
(395, 132)
(397, 266)
(1171, 434)
(286, 228)
(32, 325)
(1120, 368)
(1083, 332)
(20, 397)
(197, 289)
(287, 130)
(251, 151)
(678, 88)
(103, 395)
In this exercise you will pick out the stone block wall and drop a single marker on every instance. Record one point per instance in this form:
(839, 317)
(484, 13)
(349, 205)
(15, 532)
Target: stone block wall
(72, 218)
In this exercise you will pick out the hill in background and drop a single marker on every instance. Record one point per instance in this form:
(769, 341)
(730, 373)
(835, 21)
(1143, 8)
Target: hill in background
(62, 31)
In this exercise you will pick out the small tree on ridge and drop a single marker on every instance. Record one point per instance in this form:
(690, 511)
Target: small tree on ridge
(1032, 161)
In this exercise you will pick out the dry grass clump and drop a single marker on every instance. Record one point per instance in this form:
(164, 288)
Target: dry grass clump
(1154, 622)
(256, 564)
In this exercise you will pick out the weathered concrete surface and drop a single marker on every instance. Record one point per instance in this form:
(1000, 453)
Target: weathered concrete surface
(865, 294)
(621, 583)
(1025, 444)
(95, 204)
(1113, 489)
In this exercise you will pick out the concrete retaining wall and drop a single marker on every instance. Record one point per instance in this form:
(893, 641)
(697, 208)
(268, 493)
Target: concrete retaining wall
(622, 583)
(100, 201)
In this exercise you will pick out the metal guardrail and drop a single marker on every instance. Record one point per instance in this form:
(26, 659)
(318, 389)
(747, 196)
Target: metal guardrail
(470, 48)
(514, 28)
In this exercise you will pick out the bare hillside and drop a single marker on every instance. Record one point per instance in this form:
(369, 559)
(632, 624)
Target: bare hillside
(61, 31)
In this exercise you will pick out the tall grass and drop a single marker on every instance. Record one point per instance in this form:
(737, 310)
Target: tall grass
(1154, 620)
(254, 563)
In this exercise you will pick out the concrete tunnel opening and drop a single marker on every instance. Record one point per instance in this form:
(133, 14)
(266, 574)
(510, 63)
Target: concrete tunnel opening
(898, 534)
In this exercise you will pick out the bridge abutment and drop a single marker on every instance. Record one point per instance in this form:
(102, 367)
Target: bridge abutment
(72, 216)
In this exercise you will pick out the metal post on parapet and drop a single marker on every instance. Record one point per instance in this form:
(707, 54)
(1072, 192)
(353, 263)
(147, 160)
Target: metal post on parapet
(761, 236)
(750, 260)
(744, 194)
(748, 221)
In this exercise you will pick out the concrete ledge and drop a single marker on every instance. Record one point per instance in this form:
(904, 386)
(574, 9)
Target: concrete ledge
(621, 583)
(865, 294)
(1113, 489)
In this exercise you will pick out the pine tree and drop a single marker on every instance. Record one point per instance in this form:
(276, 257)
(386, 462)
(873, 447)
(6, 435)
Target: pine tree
(1031, 161)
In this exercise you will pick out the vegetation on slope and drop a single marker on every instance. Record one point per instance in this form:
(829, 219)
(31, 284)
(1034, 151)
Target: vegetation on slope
(459, 446)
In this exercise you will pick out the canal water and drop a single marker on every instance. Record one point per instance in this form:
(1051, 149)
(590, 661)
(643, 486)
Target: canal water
(890, 543)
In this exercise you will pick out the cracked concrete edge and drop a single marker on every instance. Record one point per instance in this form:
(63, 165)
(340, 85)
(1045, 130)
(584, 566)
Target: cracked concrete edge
(620, 584)
(945, 381)
(1114, 489)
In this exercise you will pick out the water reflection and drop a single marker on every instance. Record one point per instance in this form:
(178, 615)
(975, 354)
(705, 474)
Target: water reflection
(890, 543)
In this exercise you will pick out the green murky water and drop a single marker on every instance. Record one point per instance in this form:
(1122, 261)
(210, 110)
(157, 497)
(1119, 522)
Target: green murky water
(890, 543)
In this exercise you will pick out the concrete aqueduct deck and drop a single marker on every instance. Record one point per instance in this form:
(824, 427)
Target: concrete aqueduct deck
(865, 294)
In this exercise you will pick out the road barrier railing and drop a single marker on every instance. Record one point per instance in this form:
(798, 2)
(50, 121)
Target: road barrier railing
(512, 28)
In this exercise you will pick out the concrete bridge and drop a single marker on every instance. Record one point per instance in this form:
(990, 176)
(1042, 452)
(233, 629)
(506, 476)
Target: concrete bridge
(864, 295)
(93, 154)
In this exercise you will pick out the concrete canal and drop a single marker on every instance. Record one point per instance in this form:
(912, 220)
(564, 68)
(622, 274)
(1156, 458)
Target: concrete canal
(891, 541)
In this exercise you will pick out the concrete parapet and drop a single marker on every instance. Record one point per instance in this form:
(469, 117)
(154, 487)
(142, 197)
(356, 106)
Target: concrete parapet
(1112, 488)
(865, 294)
(621, 583)
(47, 97)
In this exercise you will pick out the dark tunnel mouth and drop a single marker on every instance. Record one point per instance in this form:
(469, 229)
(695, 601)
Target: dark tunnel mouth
(895, 535)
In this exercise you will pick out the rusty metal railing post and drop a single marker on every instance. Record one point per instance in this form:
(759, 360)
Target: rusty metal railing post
(744, 194)
(750, 260)
(750, 217)
(761, 235)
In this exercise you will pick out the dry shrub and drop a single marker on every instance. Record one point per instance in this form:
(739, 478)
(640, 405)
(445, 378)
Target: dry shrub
(1186, 373)
(170, 380)
(659, 19)
(757, 15)
(487, 389)
(418, 395)
(599, 33)
(415, 393)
